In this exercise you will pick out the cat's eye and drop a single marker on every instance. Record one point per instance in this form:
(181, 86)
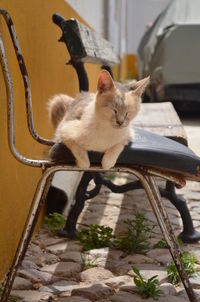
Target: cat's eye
(115, 111)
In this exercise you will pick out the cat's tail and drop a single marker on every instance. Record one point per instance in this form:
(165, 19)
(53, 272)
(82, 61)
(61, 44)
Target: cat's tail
(57, 107)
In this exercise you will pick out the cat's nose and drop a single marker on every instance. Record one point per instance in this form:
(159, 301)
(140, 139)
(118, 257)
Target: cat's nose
(119, 122)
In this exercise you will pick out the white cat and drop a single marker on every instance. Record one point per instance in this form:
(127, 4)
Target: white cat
(97, 122)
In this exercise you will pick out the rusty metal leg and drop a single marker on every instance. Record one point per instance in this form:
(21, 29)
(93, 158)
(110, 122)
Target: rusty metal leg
(166, 228)
(189, 234)
(37, 203)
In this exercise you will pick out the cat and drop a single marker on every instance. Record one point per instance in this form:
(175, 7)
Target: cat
(98, 122)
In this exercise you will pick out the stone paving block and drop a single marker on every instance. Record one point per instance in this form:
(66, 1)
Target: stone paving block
(129, 287)
(34, 249)
(171, 298)
(31, 295)
(182, 293)
(29, 264)
(21, 283)
(63, 269)
(123, 296)
(59, 287)
(71, 256)
(36, 276)
(193, 195)
(160, 255)
(95, 274)
(118, 281)
(43, 259)
(138, 258)
(50, 241)
(73, 299)
(119, 267)
(106, 252)
(64, 247)
(93, 292)
(168, 289)
(195, 281)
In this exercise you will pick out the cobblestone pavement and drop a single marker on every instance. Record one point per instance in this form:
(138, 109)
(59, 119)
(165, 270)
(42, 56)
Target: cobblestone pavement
(52, 269)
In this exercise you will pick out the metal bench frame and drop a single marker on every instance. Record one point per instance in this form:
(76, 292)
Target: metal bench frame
(144, 174)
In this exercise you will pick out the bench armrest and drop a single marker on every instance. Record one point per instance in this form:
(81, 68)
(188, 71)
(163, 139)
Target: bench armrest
(83, 44)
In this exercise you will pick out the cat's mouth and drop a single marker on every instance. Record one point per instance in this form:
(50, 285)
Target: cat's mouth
(119, 126)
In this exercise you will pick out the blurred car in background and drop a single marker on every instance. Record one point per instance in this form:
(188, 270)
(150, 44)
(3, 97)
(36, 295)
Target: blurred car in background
(169, 52)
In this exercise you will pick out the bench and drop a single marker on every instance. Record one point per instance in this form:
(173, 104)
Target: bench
(162, 119)
(151, 155)
(84, 46)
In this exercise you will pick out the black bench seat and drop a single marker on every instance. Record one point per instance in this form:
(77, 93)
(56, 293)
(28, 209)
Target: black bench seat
(147, 149)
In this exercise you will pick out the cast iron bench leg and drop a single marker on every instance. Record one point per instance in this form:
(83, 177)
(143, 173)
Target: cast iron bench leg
(189, 234)
(81, 196)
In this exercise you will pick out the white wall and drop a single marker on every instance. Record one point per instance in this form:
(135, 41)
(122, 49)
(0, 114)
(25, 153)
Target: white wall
(140, 14)
(117, 25)
(127, 19)
(91, 11)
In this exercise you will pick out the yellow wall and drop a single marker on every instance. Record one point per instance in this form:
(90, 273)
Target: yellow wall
(129, 68)
(45, 59)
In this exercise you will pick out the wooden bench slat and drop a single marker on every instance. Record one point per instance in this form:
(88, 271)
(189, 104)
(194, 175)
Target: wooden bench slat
(84, 45)
(161, 118)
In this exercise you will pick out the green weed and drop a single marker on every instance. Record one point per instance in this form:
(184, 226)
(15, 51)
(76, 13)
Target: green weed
(188, 262)
(88, 261)
(96, 236)
(147, 288)
(53, 222)
(111, 175)
(137, 235)
(161, 244)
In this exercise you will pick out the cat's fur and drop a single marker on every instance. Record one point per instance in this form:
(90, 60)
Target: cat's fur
(97, 122)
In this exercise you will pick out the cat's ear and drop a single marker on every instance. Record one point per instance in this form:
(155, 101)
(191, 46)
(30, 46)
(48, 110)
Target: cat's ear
(140, 86)
(131, 85)
(105, 82)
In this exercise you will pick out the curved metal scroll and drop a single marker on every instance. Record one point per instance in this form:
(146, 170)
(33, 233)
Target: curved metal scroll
(10, 101)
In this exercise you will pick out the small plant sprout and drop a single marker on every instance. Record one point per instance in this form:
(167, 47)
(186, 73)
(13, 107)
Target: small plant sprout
(147, 288)
(53, 222)
(96, 236)
(136, 237)
(161, 244)
(188, 262)
(111, 175)
(88, 261)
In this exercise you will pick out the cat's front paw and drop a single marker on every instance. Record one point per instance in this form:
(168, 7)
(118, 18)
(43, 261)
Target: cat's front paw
(107, 163)
(83, 164)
